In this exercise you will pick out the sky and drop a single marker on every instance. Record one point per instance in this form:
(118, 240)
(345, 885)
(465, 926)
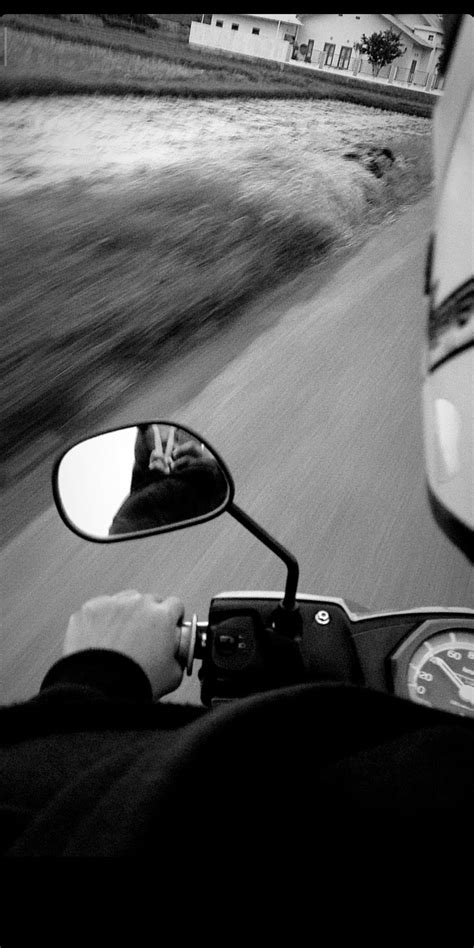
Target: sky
(94, 479)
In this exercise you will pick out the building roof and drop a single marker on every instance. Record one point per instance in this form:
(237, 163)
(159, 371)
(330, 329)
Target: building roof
(407, 30)
(434, 21)
(396, 22)
(277, 17)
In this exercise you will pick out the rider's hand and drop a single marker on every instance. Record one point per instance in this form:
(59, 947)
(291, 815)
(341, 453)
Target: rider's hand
(158, 463)
(138, 625)
(186, 455)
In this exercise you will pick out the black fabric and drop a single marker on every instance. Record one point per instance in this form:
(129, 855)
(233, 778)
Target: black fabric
(112, 674)
(171, 499)
(84, 774)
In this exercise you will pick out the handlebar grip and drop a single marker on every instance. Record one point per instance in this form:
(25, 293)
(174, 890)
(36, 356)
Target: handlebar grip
(187, 644)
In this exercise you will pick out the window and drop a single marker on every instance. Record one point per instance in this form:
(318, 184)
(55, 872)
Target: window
(207, 18)
(412, 70)
(431, 36)
(256, 31)
(309, 51)
(219, 23)
(329, 53)
(235, 26)
(344, 57)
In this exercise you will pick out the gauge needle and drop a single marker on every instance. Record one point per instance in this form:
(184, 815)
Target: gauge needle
(448, 671)
(466, 693)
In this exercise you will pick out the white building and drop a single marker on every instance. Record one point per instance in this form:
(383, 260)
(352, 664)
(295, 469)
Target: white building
(260, 35)
(325, 40)
(337, 34)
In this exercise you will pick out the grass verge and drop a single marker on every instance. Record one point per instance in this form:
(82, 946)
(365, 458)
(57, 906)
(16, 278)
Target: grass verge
(53, 56)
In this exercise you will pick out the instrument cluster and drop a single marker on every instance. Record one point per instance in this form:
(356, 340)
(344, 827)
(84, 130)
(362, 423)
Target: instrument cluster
(434, 666)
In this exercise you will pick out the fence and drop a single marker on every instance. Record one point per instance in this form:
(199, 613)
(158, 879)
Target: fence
(412, 77)
(362, 69)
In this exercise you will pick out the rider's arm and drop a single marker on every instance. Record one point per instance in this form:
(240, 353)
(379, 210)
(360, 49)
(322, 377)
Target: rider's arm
(122, 646)
(98, 673)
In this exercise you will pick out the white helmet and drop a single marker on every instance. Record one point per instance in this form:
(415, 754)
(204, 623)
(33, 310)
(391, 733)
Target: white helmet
(448, 386)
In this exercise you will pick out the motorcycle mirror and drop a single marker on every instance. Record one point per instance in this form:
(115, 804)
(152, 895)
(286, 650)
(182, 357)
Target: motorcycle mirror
(140, 480)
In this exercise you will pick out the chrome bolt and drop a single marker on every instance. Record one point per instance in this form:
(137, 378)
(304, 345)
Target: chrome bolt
(322, 617)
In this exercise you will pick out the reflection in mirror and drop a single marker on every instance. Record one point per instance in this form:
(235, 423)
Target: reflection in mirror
(151, 477)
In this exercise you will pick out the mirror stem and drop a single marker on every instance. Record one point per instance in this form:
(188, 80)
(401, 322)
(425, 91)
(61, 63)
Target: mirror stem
(289, 600)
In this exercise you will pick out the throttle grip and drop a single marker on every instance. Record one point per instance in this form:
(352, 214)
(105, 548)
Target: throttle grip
(187, 644)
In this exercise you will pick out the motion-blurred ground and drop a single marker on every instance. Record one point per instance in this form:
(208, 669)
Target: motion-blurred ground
(99, 271)
(319, 419)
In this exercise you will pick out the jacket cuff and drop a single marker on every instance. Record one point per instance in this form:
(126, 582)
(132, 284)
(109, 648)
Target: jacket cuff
(113, 674)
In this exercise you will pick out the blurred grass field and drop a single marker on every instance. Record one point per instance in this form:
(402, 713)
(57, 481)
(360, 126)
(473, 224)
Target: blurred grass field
(96, 277)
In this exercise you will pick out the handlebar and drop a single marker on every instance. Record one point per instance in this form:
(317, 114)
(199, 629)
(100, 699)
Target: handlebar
(192, 642)
(245, 648)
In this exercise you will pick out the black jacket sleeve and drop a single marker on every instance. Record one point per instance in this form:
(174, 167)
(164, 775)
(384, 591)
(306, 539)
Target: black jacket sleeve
(92, 718)
(100, 671)
(253, 777)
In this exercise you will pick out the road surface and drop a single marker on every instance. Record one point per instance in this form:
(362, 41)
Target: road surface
(317, 414)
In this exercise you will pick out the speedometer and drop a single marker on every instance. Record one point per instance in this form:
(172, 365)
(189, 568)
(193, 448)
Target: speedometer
(435, 666)
(441, 672)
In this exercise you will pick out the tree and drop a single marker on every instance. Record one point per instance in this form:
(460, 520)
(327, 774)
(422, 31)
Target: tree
(380, 48)
(441, 64)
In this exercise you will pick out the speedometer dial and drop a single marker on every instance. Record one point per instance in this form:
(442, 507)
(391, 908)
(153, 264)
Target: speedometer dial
(441, 672)
(435, 666)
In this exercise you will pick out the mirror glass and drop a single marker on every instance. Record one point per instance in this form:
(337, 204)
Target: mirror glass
(151, 477)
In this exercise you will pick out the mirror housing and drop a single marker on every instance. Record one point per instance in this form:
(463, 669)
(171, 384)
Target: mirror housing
(448, 363)
(105, 485)
(140, 480)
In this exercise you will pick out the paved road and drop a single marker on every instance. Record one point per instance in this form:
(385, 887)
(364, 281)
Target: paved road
(318, 417)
